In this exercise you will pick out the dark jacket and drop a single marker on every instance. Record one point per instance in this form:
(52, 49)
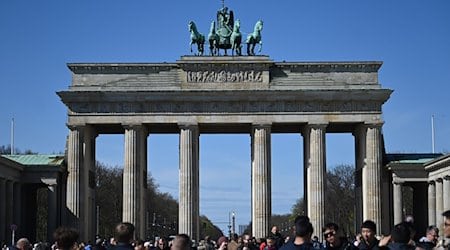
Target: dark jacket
(122, 246)
(345, 245)
(291, 246)
(372, 246)
(400, 246)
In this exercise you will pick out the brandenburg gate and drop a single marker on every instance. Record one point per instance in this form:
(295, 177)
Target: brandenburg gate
(222, 94)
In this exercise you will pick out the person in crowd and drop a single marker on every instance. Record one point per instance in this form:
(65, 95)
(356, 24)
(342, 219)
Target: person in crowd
(429, 241)
(66, 238)
(303, 233)
(162, 244)
(209, 245)
(139, 245)
(23, 244)
(368, 241)
(99, 244)
(275, 233)
(181, 242)
(271, 243)
(123, 234)
(222, 243)
(233, 244)
(247, 243)
(446, 232)
(400, 237)
(317, 245)
(335, 240)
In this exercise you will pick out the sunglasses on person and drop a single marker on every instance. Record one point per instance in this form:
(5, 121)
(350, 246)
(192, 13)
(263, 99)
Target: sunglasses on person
(329, 234)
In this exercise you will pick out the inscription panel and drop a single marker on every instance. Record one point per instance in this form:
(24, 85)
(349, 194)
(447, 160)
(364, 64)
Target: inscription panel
(224, 76)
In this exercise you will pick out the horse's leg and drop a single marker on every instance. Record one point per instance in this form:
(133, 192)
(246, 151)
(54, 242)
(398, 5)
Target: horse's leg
(260, 46)
(191, 45)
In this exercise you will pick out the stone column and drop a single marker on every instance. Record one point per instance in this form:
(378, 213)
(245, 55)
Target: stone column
(18, 209)
(439, 205)
(9, 201)
(74, 177)
(189, 206)
(431, 203)
(371, 175)
(132, 177)
(315, 164)
(360, 149)
(2, 209)
(446, 193)
(398, 202)
(89, 184)
(141, 233)
(261, 180)
(52, 210)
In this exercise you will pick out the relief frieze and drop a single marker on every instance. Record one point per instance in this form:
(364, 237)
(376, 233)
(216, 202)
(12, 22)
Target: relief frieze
(211, 76)
(225, 107)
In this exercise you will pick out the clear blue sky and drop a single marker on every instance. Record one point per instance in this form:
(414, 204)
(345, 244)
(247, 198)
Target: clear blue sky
(411, 37)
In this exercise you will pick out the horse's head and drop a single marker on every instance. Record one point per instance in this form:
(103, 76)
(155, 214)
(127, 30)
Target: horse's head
(259, 25)
(237, 25)
(192, 26)
(212, 29)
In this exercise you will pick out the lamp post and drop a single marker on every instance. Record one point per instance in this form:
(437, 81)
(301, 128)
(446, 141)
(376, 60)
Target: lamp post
(229, 225)
(233, 224)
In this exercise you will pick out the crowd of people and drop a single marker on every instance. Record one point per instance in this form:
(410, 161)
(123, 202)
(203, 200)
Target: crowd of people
(403, 237)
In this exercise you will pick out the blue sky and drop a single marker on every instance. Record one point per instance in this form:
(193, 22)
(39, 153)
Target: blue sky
(411, 37)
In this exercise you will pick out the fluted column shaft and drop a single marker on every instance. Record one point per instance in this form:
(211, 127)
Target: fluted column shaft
(2, 209)
(439, 205)
(371, 175)
(135, 137)
(431, 203)
(52, 210)
(261, 180)
(189, 206)
(315, 164)
(446, 193)
(9, 207)
(398, 202)
(74, 168)
(88, 232)
(18, 209)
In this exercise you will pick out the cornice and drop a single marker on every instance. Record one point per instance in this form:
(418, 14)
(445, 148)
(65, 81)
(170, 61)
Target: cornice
(326, 67)
(137, 68)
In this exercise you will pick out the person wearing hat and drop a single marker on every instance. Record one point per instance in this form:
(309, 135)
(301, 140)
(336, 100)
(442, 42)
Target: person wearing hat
(222, 243)
(368, 239)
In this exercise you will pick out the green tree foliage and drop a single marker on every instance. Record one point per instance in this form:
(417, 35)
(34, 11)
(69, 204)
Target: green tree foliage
(162, 208)
(108, 197)
(5, 150)
(208, 228)
(340, 197)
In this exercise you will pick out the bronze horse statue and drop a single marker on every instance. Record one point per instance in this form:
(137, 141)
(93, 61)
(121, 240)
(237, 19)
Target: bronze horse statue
(236, 39)
(213, 39)
(196, 38)
(254, 38)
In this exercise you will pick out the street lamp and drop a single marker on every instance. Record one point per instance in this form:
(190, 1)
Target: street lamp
(233, 219)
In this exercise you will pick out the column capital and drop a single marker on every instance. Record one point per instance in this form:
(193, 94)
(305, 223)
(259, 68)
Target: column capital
(431, 182)
(397, 182)
(132, 125)
(439, 180)
(372, 124)
(447, 178)
(188, 125)
(262, 125)
(75, 126)
(309, 126)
